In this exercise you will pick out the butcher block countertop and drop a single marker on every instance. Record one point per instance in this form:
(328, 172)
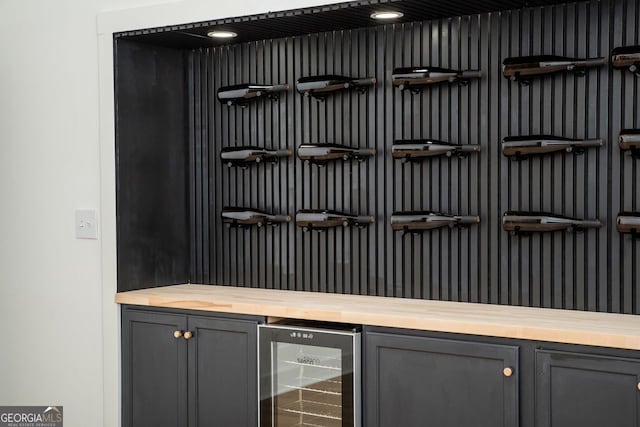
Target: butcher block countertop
(563, 326)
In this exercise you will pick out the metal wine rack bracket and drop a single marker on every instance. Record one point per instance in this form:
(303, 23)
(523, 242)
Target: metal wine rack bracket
(523, 147)
(629, 140)
(238, 217)
(626, 58)
(245, 156)
(526, 223)
(321, 154)
(321, 220)
(420, 222)
(319, 87)
(422, 149)
(242, 94)
(525, 68)
(629, 223)
(415, 79)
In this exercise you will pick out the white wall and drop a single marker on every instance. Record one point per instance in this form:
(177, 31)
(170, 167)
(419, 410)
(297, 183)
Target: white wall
(58, 322)
(51, 347)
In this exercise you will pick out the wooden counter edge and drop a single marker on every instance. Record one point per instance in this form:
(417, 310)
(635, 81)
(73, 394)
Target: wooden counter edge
(463, 324)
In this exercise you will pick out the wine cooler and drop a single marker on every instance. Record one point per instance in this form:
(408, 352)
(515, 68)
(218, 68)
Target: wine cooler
(309, 375)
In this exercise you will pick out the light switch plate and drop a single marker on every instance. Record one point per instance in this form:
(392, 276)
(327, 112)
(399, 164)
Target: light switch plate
(86, 224)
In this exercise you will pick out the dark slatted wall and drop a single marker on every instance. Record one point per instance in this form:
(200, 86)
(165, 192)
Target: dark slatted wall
(595, 270)
(624, 113)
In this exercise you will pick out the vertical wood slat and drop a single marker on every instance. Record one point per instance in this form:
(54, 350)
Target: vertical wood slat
(595, 270)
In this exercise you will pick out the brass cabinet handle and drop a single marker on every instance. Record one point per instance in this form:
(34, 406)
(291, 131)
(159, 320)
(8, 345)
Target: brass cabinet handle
(177, 334)
(638, 386)
(507, 372)
(188, 335)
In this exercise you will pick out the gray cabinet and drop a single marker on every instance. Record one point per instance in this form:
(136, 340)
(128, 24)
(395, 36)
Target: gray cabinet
(188, 370)
(421, 381)
(154, 386)
(410, 378)
(574, 389)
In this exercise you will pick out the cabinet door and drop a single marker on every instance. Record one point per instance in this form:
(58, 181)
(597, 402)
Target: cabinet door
(223, 380)
(154, 385)
(422, 382)
(586, 390)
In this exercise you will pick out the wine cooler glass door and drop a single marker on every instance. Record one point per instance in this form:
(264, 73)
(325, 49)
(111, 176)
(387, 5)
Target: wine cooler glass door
(307, 384)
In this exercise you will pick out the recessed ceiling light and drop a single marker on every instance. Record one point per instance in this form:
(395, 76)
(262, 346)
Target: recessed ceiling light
(387, 14)
(217, 34)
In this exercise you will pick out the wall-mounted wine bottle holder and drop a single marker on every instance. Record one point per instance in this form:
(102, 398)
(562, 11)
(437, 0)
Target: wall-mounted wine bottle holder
(241, 95)
(247, 155)
(421, 149)
(415, 79)
(547, 270)
(629, 223)
(420, 221)
(629, 140)
(525, 68)
(626, 58)
(524, 146)
(524, 223)
(238, 217)
(319, 87)
(321, 154)
(319, 220)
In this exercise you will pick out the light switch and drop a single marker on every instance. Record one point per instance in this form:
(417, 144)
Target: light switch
(86, 224)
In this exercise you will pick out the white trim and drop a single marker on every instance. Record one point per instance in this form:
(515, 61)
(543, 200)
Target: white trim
(110, 311)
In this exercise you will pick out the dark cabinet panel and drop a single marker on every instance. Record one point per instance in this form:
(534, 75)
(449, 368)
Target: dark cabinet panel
(154, 389)
(419, 381)
(151, 166)
(586, 390)
(223, 373)
(188, 370)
